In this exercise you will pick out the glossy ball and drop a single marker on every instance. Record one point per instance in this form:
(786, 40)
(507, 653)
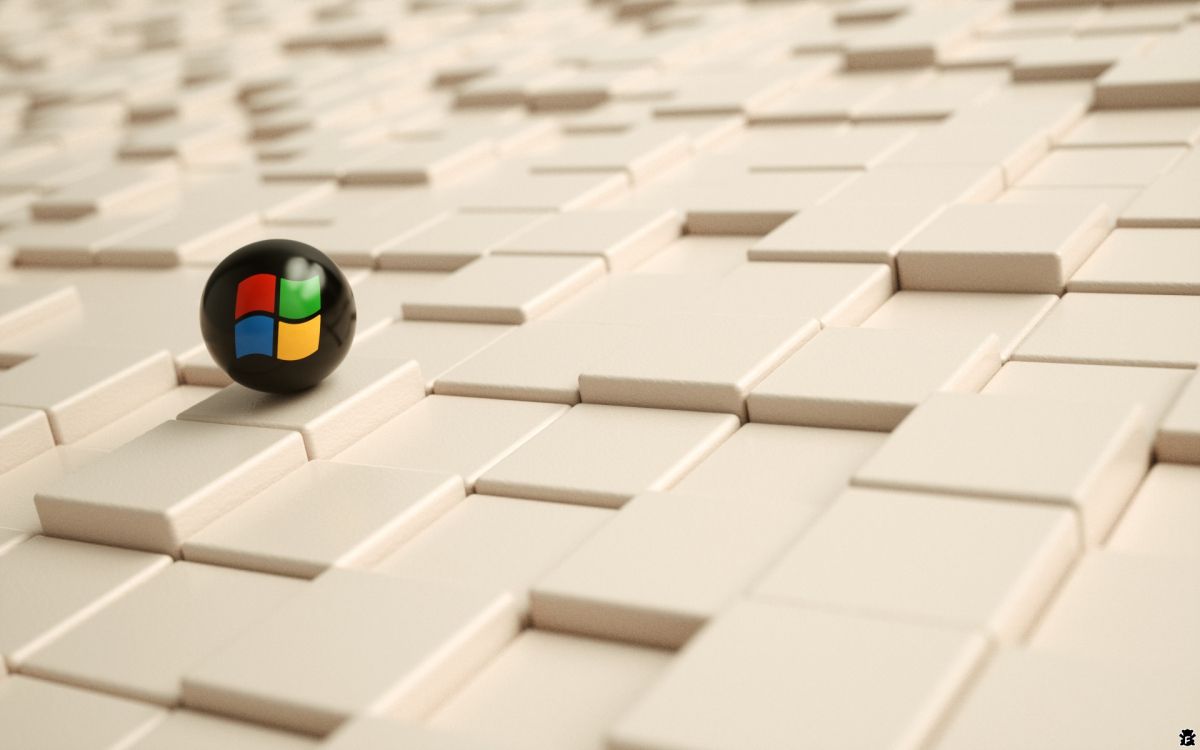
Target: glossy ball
(278, 316)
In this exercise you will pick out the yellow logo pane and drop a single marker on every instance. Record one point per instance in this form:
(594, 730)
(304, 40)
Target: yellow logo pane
(298, 340)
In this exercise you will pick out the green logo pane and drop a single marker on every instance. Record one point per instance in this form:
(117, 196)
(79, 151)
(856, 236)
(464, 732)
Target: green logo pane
(299, 299)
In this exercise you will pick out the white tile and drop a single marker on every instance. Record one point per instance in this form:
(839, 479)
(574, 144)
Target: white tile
(158, 489)
(665, 565)
(590, 684)
(360, 396)
(865, 378)
(1153, 389)
(622, 239)
(285, 671)
(635, 298)
(918, 38)
(771, 675)
(191, 730)
(698, 363)
(1152, 330)
(1008, 316)
(50, 585)
(502, 544)
(454, 240)
(836, 232)
(1164, 76)
(1179, 434)
(453, 435)
(503, 289)
(792, 149)
(1030, 698)
(324, 515)
(24, 433)
(428, 161)
(646, 449)
(83, 389)
(777, 463)
(543, 192)
(40, 715)
(1087, 456)
(181, 614)
(1143, 261)
(1109, 609)
(754, 202)
(1161, 516)
(982, 565)
(1002, 248)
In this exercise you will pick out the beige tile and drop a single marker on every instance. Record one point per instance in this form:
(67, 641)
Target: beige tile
(40, 715)
(83, 389)
(371, 732)
(1109, 611)
(635, 298)
(498, 543)
(1077, 57)
(1161, 515)
(157, 490)
(1086, 456)
(836, 232)
(777, 463)
(798, 149)
(455, 240)
(665, 565)
(981, 565)
(918, 38)
(543, 192)
(435, 346)
(453, 435)
(1143, 261)
(590, 684)
(508, 289)
(1179, 434)
(1164, 77)
(699, 254)
(987, 135)
(191, 730)
(622, 239)
(324, 515)
(1153, 389)
(724, 93)
(1007, 316)
(1116, 199)
(429, 161)
(639, 154)
(181, 614)
(1118, 329)
(864, 378)
(111, 188)
(1030, 698)
(1102, 167)
(842, 294)
(24, 434)
(27, 303)
(754, 202)
(1002, 248)
(699, 363)
(51, 585)
(928, 185)
(646, 449)
(285, 671)
(1172, 126)
(19, 484)
(1167, 201)
(360, 396)
(771, 675)
(538, 361)
(145, 417)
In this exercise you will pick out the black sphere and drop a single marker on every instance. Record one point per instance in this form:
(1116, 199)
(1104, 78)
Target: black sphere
(278, 316)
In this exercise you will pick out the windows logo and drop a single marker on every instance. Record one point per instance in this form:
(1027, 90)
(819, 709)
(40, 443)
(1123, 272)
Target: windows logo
(294, 333)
